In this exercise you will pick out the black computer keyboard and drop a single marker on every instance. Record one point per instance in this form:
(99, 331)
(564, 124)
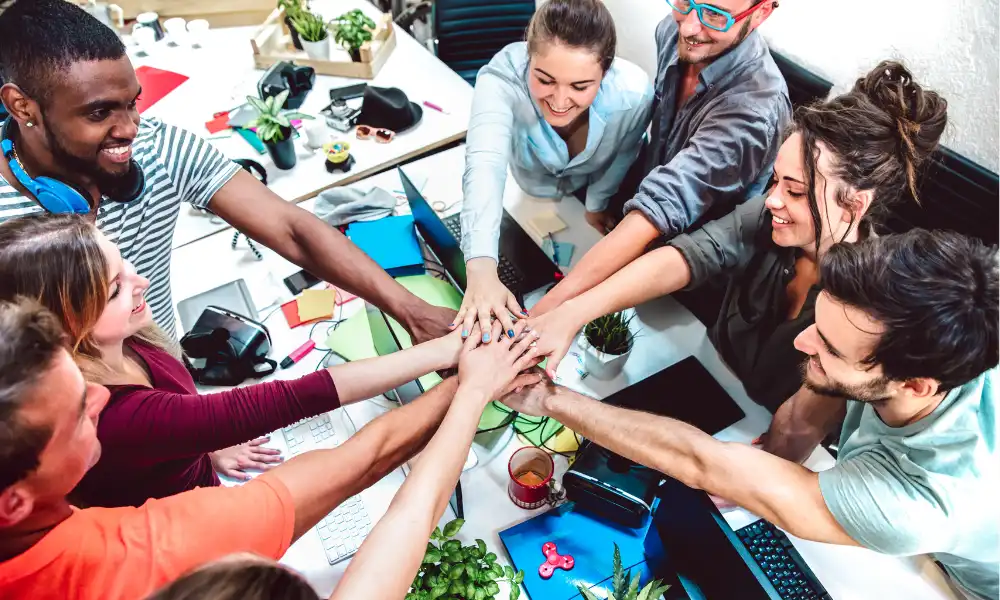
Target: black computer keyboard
(781, 562)
(508, 275)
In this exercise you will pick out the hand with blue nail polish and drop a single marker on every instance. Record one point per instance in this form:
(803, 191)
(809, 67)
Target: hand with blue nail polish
(486, 299)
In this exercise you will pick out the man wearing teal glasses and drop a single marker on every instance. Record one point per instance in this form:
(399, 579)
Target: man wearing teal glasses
(719, 111)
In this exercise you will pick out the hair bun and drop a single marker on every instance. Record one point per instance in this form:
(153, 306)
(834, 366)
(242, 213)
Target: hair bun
(919, 115)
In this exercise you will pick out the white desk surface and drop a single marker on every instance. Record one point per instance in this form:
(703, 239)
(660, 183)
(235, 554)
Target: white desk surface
(221, 74)
(669, 334)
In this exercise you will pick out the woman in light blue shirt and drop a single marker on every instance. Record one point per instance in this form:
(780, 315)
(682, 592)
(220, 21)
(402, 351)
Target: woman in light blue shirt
(566, 116)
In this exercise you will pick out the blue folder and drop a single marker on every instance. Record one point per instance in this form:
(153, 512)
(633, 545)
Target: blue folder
(585, 536)
(391, 242)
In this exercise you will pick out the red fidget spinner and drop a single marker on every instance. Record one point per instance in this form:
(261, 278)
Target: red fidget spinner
(553, 561)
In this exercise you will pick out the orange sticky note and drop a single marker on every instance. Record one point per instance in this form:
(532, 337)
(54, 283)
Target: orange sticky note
(316, 304)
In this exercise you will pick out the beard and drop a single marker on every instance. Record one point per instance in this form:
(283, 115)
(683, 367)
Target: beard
(110, 184)
(870, 392)
(744, 32)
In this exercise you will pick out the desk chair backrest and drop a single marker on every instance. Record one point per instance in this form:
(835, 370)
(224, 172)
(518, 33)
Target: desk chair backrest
(956, 194)
(804, 86)
(470, 32)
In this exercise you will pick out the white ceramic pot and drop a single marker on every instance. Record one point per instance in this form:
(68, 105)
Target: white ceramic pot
(600, 365)
(318, 50)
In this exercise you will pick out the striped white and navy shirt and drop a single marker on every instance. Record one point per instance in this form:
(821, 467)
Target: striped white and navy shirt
(179, 166)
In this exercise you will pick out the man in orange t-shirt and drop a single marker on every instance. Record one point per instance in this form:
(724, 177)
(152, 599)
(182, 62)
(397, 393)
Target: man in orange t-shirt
(51, 550)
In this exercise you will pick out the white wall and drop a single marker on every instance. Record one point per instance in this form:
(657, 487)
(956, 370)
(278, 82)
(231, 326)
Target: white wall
(951, 47)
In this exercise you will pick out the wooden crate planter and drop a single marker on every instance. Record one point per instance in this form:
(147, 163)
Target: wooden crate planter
(272, 43)
(219, 13)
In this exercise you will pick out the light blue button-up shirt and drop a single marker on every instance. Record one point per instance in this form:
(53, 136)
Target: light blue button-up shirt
(507, 128)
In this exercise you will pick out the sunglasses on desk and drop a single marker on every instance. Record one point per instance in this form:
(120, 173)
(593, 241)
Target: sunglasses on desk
(711, 16)
(379, 134)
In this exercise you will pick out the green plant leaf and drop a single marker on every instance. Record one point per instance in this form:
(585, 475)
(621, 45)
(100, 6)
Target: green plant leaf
(508, 571)
(496, 571)
(515, 593)
(472, 571)
(436, 534)
(633, 587)
(482, 547)
(470, 591)
(618, 582)
(653, 590)
(283, 121)
(452, 529)
(452, 546)
(279, 100)
(492, 589)
(456, 588)
(456, 572)
(490, 557)
(586, 593)
(480, 593)
(438, 591)
(432, 556)
(519, 577)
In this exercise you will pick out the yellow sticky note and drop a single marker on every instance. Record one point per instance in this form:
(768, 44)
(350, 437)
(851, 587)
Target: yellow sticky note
(316, 304)
(546, 223)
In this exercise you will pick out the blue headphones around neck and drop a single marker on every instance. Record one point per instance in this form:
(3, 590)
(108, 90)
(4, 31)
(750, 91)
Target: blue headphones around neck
(59, 197)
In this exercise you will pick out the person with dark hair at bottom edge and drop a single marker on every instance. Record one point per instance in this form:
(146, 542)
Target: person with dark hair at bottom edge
(844, 164)
(566, 116)
(720, 109)
(131, 174)
(907, 331)
(50, 550)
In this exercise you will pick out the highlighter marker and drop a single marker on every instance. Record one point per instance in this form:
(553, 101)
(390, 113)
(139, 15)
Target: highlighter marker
(297, 354)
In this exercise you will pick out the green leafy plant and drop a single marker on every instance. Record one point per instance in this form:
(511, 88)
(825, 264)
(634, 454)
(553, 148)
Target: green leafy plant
(271, 121)
(610, 334)
(451, 571)
(624, 587)
(311, 27)
(292, 7)
(352, 29)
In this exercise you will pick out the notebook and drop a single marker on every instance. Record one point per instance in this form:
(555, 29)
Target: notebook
(391, 242)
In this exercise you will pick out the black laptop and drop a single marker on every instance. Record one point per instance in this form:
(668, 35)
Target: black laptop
(523, 266)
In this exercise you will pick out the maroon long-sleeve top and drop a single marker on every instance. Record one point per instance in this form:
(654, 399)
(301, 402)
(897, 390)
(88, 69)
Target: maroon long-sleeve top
(155, 440)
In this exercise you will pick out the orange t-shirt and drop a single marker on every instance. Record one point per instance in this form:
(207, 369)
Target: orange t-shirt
(127, 553)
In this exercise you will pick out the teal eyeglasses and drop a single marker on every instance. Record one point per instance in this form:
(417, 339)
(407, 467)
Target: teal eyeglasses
(712, 16)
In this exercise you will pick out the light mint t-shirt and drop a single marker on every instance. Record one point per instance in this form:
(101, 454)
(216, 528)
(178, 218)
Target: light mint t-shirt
(931, 487)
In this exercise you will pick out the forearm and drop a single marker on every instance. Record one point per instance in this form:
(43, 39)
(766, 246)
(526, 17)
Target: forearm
(363, 379)
(801, 423)
(658, 273)
(320, 480)
(620, 247)
(780, 491)
(400, 538)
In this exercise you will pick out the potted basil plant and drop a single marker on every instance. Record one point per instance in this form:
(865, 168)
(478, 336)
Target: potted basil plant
(606, 343)
(351, 30)
(274, 128)
(314, 35)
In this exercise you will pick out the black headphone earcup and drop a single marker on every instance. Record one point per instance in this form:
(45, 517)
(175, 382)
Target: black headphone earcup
(132, 187)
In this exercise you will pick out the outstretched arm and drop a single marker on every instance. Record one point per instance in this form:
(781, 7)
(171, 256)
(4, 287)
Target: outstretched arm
(305, 240)
(778, 490)
(390, 557)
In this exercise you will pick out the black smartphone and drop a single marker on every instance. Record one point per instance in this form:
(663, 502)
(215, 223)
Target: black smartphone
(302, 280)
(348, 91)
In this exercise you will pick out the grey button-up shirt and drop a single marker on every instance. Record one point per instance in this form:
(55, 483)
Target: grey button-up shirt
(719, 148)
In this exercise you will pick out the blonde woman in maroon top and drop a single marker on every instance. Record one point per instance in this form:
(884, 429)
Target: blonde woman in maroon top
(157, 431)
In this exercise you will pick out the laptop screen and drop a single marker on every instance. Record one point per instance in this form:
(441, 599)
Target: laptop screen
(434, 232)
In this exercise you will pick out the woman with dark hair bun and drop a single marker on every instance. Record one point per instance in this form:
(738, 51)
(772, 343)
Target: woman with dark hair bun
(566, 117)
(842, 164)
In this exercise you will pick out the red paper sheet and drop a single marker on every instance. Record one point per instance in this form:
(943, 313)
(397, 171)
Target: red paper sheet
(156, 83)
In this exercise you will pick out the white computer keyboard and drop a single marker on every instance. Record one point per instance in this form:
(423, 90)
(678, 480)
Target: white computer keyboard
(343, 530)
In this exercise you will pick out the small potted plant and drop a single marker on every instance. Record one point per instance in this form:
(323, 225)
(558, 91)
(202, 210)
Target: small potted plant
(274, 128)
(626, 588)
(351, 30)
(451, 570)
(312, 31)
(292, 8)
(607, 342)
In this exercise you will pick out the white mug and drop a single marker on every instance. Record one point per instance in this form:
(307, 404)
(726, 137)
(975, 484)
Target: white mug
(317, 133)
(197, 31)
(176, 29)
(145, 37)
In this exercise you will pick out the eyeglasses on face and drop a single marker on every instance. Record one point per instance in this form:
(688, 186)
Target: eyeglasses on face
(712, 16)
